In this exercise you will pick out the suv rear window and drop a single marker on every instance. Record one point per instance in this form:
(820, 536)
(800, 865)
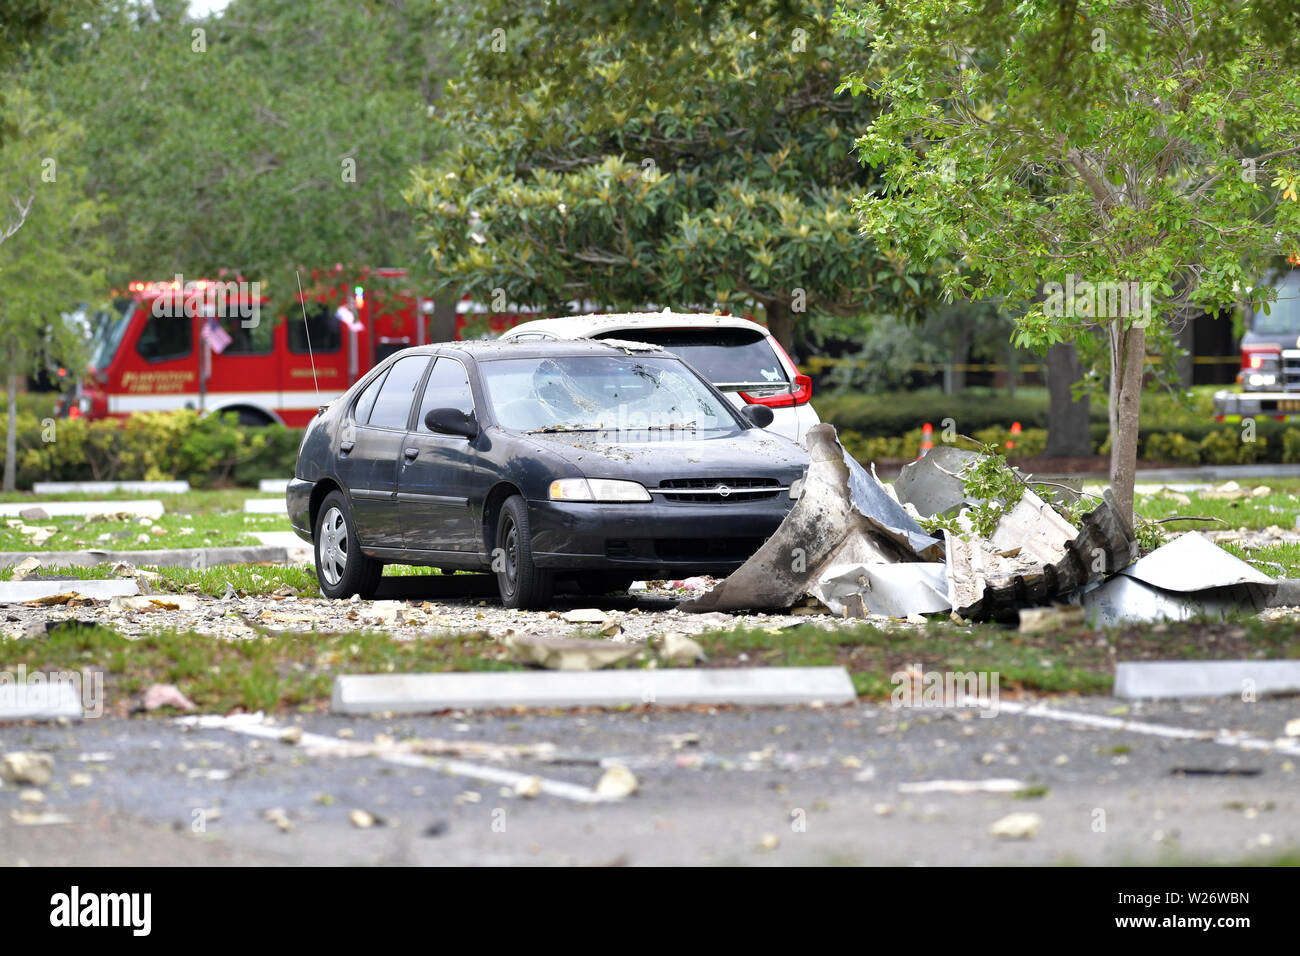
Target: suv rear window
(725, 356)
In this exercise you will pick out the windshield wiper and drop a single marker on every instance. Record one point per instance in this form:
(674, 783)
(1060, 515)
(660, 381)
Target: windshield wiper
(562, 428)
(673, 427)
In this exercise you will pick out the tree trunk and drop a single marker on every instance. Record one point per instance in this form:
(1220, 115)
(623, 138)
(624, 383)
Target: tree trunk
(1067, 420)
(780, 322)
(1187, 363)
(1127, 361)
(960, 357)
(442, 323)
(11, 433)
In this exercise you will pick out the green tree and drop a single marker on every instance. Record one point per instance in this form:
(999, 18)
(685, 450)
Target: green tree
(609, 155)
(275, 134)
(54, 258)
(1104, 168)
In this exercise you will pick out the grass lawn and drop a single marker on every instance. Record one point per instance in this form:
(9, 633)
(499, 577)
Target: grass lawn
(289, 671)
(205, 529)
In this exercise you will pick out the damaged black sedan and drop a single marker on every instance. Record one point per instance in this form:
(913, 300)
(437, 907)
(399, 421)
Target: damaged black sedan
(599, 462)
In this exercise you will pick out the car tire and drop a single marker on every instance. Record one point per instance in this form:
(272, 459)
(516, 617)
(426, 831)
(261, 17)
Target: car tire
(341, 568)
(521, 583)
(603, 582)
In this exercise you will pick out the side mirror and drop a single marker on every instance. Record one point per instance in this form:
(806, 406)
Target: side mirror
(759, 415)
(451, 421)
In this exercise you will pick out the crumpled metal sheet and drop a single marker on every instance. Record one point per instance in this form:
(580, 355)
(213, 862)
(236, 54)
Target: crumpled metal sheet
(1192, 562)
(1123, 599)
(895, 590)
(1187, 577)
(1103, 546)
(931, 484)
(842, 510)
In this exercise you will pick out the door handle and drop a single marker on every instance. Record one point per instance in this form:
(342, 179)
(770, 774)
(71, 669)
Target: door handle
(347, 446)
(411, 453)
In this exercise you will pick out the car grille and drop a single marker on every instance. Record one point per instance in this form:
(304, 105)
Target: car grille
(719, 490)
(1290, 380)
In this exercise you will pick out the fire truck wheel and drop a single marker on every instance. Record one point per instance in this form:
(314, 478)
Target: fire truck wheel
(341, 568)
(522, 584)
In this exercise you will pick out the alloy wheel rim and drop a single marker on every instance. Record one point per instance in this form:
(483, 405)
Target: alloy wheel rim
(333, 547)
(512, 553)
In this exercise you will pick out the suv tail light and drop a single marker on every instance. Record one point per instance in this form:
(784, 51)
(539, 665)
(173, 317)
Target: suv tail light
(802, 386)
(800, 396)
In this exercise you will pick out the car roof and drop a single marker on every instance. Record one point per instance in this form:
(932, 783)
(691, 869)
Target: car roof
(486, 350)
(577, 326)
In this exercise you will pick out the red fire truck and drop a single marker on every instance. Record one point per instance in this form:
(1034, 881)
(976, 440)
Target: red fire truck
(219, 345)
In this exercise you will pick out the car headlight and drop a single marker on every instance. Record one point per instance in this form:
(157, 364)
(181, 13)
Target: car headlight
(597, 489)
(796, 488)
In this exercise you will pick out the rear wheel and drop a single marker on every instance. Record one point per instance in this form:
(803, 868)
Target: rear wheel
(341, 568)
(603, 582)
(522, 584)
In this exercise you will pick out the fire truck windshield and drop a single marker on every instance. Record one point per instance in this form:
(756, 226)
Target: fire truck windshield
(1283, 315)
(107, 331)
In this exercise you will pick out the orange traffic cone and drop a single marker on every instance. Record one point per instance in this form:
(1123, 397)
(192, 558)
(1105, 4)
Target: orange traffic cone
(1015, 431)
(927, 439)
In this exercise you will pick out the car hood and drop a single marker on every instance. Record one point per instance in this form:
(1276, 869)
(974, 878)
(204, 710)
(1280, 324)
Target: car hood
(748, 453)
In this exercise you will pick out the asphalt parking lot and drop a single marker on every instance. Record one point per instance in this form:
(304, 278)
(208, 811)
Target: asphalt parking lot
(716, 786)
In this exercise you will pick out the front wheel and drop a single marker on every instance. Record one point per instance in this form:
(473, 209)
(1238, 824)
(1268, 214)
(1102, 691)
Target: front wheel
(341, 568)
(522, 584)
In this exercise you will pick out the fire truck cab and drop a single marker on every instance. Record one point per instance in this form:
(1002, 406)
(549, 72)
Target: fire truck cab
(1270, 361)
(218, 345)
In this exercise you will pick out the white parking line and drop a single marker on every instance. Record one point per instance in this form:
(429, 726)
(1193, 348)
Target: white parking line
(1224, 738)
(253, 725)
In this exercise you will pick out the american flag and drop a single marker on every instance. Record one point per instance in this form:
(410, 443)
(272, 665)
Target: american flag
(216, 337)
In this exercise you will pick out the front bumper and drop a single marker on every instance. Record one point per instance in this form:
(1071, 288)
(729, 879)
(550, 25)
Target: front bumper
(297, 499)
(654, 539)
(1234, 406)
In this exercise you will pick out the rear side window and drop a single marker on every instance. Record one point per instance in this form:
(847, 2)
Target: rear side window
(165, 337)
(724, 356)
(448, 387)
(398, 391)
(361, 411)
(322, 328)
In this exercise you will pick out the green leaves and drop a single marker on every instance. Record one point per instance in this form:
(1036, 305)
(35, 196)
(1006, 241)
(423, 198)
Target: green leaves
(711, 173)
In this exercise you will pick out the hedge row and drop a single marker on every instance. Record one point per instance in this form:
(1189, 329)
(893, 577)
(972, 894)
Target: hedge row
(206, 451)
(1215, 444)
(897, 413)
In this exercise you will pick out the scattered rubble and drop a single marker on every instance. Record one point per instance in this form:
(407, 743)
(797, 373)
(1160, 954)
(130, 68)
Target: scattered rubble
(1017, 826)
(165, 695)
(568, 654)
(26, 767)
(858, 549)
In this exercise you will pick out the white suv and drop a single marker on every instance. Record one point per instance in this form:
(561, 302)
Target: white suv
(738, 356)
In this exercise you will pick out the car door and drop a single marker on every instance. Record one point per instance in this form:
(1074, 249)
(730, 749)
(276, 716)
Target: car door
(436, 477)
(370, 447)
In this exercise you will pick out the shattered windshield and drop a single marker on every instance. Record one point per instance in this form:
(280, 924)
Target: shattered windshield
(598, 393)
